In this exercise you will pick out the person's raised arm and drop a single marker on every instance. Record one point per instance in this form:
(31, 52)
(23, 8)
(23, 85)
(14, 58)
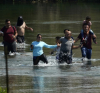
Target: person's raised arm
(28, 28)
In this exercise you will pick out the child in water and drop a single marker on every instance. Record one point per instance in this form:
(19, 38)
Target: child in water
(57, 49)
(88, 21)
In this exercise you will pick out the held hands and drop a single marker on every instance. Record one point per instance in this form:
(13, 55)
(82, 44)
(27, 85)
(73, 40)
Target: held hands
(31, 47)
(58, 45)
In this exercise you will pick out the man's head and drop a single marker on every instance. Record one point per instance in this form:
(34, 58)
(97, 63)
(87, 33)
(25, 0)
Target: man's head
(68, 34)
(7, 22)
(86, 28)
(57, 39)
(19, 21)
(65, 30)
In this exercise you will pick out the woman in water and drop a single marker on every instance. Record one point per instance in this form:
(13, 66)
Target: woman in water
(37, 47)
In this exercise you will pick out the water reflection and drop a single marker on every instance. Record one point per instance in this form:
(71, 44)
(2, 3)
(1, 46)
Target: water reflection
(38, 84)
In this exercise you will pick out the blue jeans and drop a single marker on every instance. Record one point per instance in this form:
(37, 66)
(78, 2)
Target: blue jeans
(86, 52)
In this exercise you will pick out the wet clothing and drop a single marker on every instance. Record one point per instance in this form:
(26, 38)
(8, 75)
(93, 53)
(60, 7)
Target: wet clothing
(8, 40)
(65, 57)
(36, 59)
(38, 51)
(66, 50)
(10, 46)
(20, 39)
(86, 50)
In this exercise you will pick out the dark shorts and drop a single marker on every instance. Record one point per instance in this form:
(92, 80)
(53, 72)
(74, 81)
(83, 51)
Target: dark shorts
(10, 46)
(36, 59)
(64, 57)
(20, 39)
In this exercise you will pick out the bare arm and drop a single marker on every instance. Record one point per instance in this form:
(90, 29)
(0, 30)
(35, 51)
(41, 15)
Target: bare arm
(76, 40)
(14, 36)
(28, 28)
(75, 47)
(94, 36)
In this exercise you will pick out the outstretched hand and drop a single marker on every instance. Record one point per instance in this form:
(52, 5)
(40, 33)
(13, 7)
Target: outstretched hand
(31, 29)
(58, 45)
(31, 47)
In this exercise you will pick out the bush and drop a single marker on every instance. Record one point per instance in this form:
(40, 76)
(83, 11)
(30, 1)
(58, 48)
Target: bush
(3, 90)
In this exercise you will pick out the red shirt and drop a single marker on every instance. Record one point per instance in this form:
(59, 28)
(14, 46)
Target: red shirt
(88, 43)
(8, 32)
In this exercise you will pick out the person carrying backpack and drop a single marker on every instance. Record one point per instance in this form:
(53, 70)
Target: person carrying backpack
(9, 34)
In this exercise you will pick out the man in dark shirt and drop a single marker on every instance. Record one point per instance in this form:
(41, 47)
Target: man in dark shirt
(9, 34)
(86, 39)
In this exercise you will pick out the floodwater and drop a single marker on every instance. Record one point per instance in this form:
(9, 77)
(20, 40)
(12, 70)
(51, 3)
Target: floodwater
(50, 20)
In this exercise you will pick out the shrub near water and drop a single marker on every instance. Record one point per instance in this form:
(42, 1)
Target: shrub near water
(2, 90)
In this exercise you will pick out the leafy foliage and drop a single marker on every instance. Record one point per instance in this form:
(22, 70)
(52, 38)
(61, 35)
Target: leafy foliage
(3, 90)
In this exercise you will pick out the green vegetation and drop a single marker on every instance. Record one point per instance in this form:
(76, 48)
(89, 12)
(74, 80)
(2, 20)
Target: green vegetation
(43, 1)
(3, 90)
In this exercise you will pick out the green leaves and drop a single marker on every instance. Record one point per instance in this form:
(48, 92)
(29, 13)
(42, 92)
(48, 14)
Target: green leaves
(3, 90)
